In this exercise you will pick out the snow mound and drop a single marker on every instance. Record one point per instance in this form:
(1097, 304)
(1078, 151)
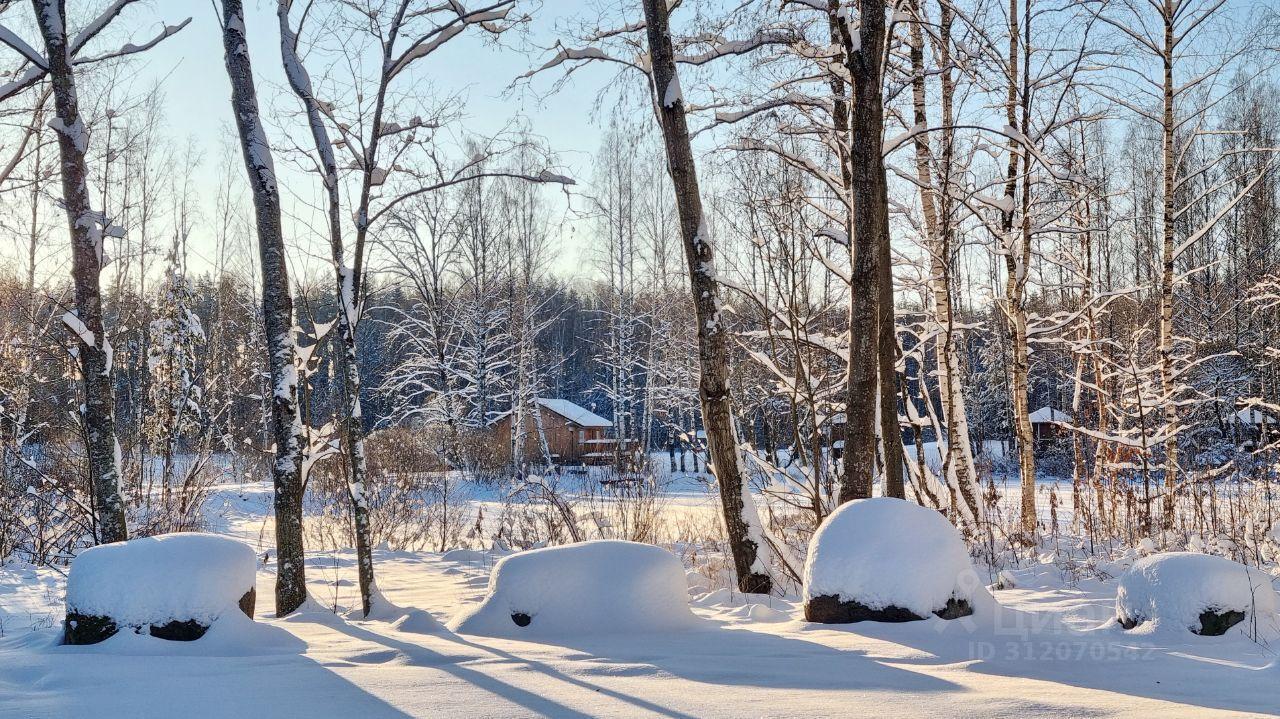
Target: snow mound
(897, 560)
(156, 580)
(602, 586)
(1180, 590)
(464, 556)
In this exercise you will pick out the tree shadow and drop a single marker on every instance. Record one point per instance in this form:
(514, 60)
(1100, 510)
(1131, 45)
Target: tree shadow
(708, 654)
(419, 655)
(1036, 646)
(158, 683)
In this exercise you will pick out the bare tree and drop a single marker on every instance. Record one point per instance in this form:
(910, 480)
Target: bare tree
(88, 230)
(277, 309)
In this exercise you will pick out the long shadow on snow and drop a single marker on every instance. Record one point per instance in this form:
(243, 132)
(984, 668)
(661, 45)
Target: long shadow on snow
(713, 655)
(166, 681)
(418, 655)
(1030, 645)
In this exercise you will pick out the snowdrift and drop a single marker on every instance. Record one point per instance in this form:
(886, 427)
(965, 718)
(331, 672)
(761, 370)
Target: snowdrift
(603, 586)
(889, 560)
(172, 586)
(1202, 593)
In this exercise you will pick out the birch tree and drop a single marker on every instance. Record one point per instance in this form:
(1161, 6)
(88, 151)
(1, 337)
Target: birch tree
(277, 311)
(88, 230)
(1170, 81)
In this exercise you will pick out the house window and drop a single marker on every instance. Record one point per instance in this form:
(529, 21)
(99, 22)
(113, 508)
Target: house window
(582, 436)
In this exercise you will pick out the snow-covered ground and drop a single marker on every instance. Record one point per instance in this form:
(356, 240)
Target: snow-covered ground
(1050, 649)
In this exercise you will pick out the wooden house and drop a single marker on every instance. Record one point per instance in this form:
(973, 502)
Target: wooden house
(1253, 426)
(1046, 425)
(575, 435)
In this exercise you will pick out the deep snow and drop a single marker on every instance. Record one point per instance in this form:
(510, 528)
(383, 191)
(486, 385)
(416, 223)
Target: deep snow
(886, 552)
(1051, 648)
(593, 587)
(155, 580)
(1167, 592)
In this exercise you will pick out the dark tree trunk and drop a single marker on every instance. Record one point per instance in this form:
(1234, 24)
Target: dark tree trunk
(277, 311)
(94, 348)
(740, 521)
(869, 245)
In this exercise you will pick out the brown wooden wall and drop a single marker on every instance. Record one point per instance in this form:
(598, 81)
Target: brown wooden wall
(562, 438)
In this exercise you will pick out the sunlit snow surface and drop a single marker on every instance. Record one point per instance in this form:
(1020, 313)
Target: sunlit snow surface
(1050, 649)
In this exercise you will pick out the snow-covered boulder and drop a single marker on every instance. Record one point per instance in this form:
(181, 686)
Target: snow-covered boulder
(888, 560)
(585, 588)
(1203, 593)
(172, 586)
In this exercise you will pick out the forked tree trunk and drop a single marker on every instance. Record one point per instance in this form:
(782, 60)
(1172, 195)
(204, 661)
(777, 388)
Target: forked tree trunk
(741, 521)
(1017, 254)
(93, 348)
(277, 311)
(957, 461)
(348, 314)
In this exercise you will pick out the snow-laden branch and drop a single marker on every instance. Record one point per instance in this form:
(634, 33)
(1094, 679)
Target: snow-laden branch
(10, 38)
(737, 47)
(130, 48)
(569, 54)
(39, 66)
(433, 39)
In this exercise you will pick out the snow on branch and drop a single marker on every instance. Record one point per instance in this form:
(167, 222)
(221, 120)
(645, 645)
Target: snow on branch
(569, 54)
(441, 34)
(791, 99)
(130, 48)
(738, 47)
(40, 68)
(10, 38)
(76, 325)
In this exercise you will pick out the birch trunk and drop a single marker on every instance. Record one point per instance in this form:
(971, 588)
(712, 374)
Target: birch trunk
(1017, 254)
(277, 311)
(957, 461)
(1166, 276)
(87, 259)
(742, 523)
(348, 313)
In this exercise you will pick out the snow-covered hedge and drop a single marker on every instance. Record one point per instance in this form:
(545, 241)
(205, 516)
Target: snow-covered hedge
(1200, 592)
(590, 587)
(891, 560)
(174, 585)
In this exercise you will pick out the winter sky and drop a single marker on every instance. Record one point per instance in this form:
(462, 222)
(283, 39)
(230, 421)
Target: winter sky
(196, 96)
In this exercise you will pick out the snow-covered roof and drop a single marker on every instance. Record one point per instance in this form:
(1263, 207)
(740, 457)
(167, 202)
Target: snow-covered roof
(572, 412)
(1254, 416)
(1047, 415)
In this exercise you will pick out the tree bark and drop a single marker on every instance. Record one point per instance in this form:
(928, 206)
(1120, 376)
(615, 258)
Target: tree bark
(869, 245)
(1167, 387)
(346, 284)
(1017, 255)
(87, 259)
(277, 311)
(957, 462)
(742, 523)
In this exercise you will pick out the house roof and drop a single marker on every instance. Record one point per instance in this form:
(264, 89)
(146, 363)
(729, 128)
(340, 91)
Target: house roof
(1253, 416)
(1049, 415)
(572, 412)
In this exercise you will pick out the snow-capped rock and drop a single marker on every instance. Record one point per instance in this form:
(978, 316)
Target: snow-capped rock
(172, 585)
(1202, 593)
(591, 587)
(888, 559)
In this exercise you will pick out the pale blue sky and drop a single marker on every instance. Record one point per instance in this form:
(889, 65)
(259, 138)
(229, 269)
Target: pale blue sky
(197, 93)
